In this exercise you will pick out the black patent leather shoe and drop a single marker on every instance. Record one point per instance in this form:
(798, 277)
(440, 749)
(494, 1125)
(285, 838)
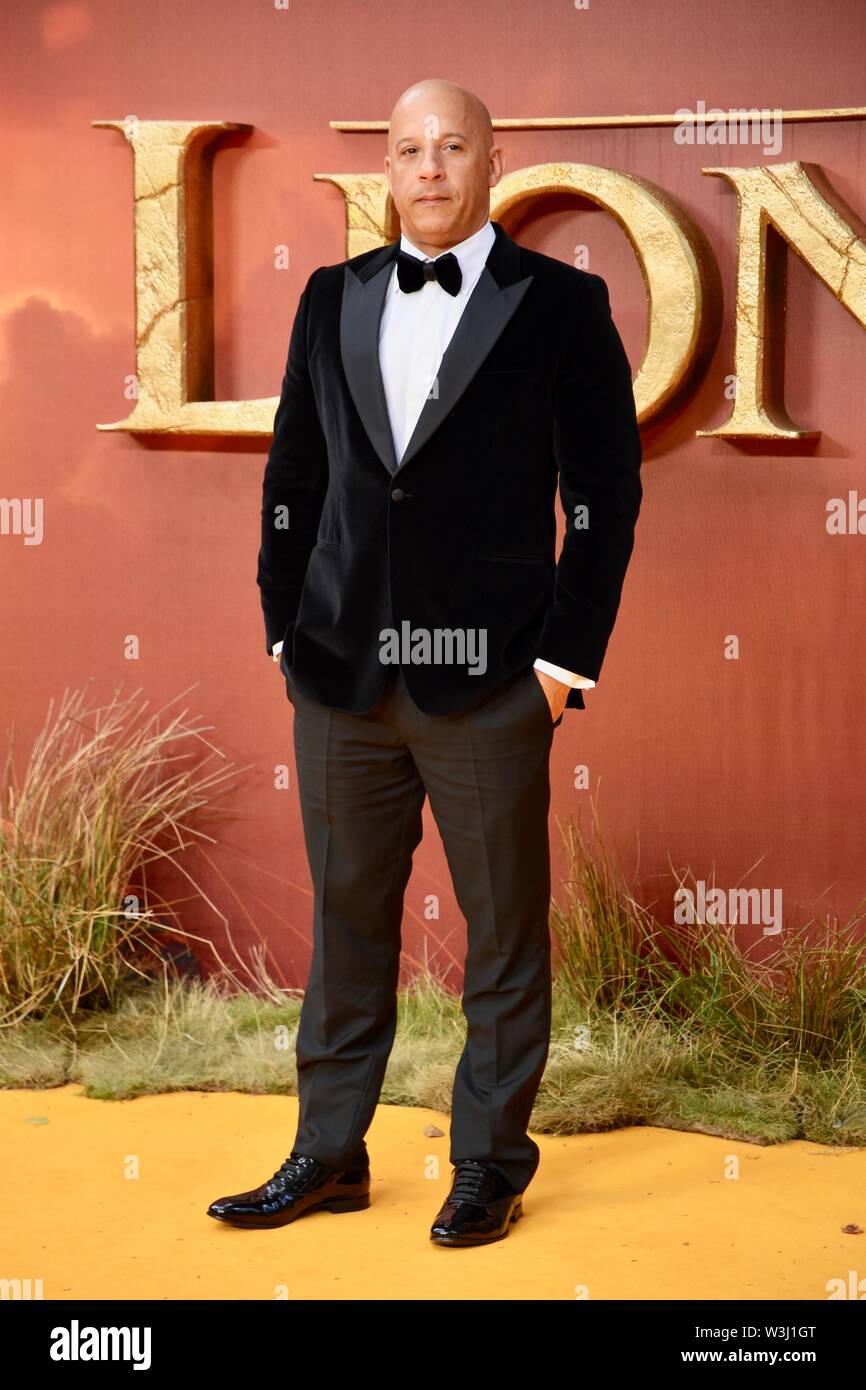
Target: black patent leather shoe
(479, 1209)
(300, 1185)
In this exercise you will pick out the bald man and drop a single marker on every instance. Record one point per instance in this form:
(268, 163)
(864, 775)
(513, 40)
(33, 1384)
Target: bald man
(437, 391)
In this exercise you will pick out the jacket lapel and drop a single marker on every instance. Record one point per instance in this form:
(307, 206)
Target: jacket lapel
(494, 299)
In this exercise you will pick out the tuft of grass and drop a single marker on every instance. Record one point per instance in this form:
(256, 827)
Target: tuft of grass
(804, 1001)
(108, 791)
(174, 1035)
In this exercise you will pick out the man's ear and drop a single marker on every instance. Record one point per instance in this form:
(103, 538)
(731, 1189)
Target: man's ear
(497, 165)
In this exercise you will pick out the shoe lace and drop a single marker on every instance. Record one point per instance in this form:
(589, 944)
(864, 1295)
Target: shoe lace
(289, 1169)
(468, 1182)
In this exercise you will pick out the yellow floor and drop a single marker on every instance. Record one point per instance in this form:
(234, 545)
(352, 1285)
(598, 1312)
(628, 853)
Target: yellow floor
(637, 1213)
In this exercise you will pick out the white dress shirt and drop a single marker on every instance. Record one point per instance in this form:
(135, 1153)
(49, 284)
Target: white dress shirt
(414, 332)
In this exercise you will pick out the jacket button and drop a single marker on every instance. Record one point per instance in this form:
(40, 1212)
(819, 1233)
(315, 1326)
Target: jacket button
(397, 495)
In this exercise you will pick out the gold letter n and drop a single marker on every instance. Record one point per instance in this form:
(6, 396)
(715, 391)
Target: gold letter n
(783, 205)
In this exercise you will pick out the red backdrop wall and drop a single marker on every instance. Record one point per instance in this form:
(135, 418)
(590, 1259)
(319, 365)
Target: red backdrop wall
(697, 760)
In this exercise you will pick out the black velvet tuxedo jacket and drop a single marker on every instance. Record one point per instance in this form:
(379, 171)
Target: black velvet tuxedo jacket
(534, 389)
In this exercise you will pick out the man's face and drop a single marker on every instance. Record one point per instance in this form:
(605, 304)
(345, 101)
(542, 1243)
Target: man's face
(441, 167)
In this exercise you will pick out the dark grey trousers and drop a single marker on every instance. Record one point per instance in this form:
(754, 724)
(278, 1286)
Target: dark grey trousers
(362, 780)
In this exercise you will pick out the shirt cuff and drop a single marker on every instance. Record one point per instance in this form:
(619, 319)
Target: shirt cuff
(559, 673)
(276, 649)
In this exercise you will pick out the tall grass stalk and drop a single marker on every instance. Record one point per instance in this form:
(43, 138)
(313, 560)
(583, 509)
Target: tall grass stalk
(108, 792)
(804, 1000)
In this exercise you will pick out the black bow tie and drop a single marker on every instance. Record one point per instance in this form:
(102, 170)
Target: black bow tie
(412, 273)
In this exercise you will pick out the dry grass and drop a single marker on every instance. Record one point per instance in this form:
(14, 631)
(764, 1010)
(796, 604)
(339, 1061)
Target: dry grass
(804, 1002)
(108, 792)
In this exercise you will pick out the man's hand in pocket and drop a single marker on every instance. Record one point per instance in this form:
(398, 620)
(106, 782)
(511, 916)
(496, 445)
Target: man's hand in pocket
(556, 692)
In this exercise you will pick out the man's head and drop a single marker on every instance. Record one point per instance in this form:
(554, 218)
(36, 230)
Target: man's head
(442, 162)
